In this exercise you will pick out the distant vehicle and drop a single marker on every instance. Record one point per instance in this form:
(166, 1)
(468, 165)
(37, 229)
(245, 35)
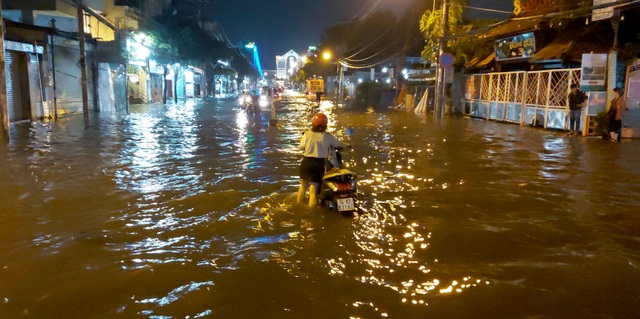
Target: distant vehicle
(314, 86)
(277, 93)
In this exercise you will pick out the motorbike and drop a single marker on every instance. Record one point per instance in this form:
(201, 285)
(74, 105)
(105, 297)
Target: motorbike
(248, 105)
(338, 190)
(245, 102)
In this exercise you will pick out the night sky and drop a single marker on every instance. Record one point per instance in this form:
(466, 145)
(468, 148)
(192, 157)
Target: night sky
(278, 26)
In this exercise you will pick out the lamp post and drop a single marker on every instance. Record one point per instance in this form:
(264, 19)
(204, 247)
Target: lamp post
(340, 70)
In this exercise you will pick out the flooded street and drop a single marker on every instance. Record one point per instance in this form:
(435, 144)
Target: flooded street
(188, 211)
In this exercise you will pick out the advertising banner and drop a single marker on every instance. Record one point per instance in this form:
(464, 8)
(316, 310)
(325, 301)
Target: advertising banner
(596, 103)
(594, 72)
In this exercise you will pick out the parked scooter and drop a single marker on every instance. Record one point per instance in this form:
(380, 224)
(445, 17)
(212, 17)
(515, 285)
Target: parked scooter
(338, 189)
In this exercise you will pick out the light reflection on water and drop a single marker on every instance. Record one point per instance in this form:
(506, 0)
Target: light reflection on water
(188, 211)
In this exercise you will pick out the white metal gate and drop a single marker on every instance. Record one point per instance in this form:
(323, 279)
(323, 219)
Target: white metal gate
(536, 97)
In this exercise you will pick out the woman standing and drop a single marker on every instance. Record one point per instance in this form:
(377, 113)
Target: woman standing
(616, 111)
(315, 145)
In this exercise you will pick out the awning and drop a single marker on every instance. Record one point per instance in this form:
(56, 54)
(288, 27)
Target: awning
(571, 45)
(512, 27)
(477, 63)
(553, 51)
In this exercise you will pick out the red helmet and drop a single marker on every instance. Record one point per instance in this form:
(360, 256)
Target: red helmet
(320, 120)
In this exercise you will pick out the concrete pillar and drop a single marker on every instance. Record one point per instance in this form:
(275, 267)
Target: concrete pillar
(83, 64)
(26, 17)
(612, 73)
(612, 59)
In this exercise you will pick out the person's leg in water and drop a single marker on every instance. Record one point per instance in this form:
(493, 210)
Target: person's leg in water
(313, 194)
(578, 117)
(302, 190)
(572, 121)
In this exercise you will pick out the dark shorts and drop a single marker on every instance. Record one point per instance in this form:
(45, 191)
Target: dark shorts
(312, 169)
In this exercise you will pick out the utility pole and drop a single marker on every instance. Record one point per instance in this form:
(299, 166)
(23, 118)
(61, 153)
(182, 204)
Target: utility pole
(340, 79)
(438, 110)
(53, 68)
(4, 106)
(83, 63)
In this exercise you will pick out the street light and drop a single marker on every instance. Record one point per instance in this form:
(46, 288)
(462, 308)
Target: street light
(339, 64)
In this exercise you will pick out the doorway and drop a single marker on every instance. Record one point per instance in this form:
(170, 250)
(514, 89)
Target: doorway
(18, 93)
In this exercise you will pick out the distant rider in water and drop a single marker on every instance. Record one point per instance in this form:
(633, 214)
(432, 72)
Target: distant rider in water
(315, 145)
(255, 98)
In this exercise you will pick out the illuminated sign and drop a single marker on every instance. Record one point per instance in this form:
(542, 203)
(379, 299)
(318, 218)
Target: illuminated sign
(517, 47)
(421, 76)
(520, 6)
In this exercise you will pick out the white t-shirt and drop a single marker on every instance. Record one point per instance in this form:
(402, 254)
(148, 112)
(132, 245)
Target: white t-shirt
(316, 144)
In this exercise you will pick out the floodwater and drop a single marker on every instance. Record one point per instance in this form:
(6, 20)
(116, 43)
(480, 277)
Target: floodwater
(188, 211)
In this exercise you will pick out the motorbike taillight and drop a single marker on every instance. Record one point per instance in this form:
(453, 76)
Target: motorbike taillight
(343, 187)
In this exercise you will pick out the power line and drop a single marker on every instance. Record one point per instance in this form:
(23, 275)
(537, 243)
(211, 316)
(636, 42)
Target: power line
(486, 9)
(372, 42)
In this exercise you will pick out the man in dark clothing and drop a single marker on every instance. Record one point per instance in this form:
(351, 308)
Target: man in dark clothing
(255, 99)
(576, 102)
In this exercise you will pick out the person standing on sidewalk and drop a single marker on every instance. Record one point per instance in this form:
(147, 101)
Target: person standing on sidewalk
(617, 108)
(576, 103)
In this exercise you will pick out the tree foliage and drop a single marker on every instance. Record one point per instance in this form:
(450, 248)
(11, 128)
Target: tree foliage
(460, 43)
(242, 66)
(300, 77)
(431, 27)
(368, 94)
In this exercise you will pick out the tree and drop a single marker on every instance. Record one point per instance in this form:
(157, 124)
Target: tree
(460, 43)
(299, 78)
(431, 27)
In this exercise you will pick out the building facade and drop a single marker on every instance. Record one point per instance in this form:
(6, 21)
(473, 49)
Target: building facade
(287, 65)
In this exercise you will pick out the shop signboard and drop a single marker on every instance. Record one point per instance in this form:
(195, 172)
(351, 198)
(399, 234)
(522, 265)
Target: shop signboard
(631, 120)
(603, 9)
(633, 85)
(594, 72)
(521, 46)
(316, 85)
(421, 77)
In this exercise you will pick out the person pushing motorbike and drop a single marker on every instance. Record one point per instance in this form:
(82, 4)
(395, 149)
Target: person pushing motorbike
(315, 145)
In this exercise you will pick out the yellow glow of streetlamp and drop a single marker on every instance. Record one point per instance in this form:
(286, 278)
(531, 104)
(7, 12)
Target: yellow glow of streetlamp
(326, 55)
(304, 59)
